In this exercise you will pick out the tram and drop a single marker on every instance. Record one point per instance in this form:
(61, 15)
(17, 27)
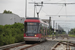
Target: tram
(35, 29)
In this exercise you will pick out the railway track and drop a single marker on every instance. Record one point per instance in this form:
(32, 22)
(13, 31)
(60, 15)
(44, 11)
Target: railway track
(32, 45)
(63, 46)
(17, 47)
(47, 45)
(11, 45)
(21, 46)
(42, 46)
(14, 47)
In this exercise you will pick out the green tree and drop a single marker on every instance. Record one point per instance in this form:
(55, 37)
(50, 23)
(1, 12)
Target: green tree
(7, 12)
(72, 31)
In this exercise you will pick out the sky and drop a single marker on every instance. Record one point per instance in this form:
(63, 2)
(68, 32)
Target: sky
(18, 7)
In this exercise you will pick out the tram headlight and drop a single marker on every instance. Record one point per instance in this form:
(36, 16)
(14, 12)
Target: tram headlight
(35, 35)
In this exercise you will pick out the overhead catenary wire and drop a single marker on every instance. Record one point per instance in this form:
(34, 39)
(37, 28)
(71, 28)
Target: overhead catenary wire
(55, 4)
(35, 7)
(40, 9)
(44, 12)
(60, 10)
(65, 9)
(50, 3)
(59, 1)
(61, 7)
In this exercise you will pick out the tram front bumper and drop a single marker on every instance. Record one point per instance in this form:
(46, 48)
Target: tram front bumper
(32, 38)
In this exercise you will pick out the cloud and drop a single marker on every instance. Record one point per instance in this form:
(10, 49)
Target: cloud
(16, 6)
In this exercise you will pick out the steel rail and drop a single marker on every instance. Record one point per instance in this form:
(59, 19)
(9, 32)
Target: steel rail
(32, 45)
(56, 45)
(14, 47)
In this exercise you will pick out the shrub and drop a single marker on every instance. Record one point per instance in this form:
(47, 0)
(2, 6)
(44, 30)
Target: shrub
(11, 33)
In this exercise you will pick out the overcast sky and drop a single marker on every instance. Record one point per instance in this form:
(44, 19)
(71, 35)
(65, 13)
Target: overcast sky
(18, 7)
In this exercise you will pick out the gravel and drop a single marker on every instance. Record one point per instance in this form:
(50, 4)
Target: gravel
(44, 46)
(72, 48)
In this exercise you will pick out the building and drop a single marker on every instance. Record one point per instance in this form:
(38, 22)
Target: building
(10, 19)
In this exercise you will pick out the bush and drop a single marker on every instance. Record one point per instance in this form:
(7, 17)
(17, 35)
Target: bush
(11, 33)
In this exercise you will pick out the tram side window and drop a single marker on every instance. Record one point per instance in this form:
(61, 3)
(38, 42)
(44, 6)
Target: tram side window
(25, 25)
(41, 29)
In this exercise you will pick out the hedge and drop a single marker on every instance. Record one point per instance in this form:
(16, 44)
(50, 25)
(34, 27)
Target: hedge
(10, 34)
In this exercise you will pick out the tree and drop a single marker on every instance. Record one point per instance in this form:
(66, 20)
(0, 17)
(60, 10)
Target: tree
(7, 12)
(72, 31)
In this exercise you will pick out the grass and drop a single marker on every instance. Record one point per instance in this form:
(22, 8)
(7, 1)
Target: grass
(50, 35)
(71, 35)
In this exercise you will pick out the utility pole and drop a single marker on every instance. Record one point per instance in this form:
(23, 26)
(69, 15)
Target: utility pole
(25, 9)
(53, 24)
(49, 23)
(34, 9)
(53, 28)
(56, 26)
(56, 31)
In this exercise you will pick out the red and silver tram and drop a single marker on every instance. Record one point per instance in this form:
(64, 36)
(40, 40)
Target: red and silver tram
(35, 29)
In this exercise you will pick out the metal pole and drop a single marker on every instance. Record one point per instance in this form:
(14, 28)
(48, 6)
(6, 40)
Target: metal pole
(53, 24)
(49, 23)
(34, 9)
(46, 31)
(53, 28)
(56, 25)
(38, 14)
(25, 8)
(56, 30)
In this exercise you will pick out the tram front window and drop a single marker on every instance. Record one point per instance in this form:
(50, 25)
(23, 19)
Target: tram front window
(32, 28)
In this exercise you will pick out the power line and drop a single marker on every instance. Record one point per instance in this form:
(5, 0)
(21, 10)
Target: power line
(62, 15)
(60, 10)
(44, 11)
(51, 3)
(59, 1)
(36, 4)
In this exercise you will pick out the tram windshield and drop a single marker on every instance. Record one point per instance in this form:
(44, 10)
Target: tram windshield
(31, 27)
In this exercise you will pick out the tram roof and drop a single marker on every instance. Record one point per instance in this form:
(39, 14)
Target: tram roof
(32, 18)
